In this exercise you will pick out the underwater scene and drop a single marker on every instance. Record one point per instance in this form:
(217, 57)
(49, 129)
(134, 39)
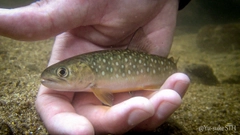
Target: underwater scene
(206, 44)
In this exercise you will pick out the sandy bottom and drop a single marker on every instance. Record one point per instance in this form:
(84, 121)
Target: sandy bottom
(205, 109)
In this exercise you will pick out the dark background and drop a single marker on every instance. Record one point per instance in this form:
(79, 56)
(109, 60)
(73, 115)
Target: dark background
(196, 14)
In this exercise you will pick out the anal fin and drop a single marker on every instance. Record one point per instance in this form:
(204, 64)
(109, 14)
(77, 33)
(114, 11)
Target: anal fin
(152, 87)
(105, 97)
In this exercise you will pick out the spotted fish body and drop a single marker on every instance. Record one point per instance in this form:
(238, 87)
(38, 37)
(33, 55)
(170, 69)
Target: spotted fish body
(109, 71)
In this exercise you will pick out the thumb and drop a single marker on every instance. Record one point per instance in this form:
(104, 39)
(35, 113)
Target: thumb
(45, 18)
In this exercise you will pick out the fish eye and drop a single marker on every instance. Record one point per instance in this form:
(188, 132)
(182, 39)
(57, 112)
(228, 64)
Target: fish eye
(62, 72)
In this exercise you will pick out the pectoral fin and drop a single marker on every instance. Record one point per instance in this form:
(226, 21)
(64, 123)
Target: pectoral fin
(105, 97)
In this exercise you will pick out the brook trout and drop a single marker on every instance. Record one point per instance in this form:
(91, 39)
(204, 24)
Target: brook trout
(109, 71)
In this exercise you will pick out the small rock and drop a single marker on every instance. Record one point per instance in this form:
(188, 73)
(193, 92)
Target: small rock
(201, 73)
(5, 129)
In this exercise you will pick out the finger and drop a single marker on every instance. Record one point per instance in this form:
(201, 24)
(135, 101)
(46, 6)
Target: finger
(69, 123)
(119, 21)
(58, 114)
(46, 18)
(160, 30)
(165, 103)
(119, 118)
(178, 82)
(67, 45)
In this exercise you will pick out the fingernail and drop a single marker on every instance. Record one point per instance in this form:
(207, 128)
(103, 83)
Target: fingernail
(165, 109)
(137, 116)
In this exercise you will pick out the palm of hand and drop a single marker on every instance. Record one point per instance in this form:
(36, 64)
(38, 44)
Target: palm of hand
(138, 112)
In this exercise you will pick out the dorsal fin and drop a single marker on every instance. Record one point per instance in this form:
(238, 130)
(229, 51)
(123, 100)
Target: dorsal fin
(174, 60)
(139, 42)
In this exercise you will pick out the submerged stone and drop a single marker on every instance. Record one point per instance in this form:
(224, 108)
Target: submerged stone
(201, 73)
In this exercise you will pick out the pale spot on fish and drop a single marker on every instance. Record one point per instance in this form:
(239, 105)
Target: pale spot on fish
(116, 63)
(126, 59)
(129, 72)
(104, 61)
(154, 71)
(111, 69)
(140, 61)
(103, 73)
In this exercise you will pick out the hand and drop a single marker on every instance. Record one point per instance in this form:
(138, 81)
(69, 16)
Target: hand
(84, 26)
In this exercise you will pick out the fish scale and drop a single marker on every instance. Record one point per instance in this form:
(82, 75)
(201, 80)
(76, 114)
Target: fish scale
(122, 64)
(109, 71)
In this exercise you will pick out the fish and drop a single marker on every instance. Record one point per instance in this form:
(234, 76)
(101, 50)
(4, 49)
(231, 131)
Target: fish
(109, 71)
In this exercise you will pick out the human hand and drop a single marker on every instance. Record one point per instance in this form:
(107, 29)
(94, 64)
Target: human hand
(103, 23)
(94, 25)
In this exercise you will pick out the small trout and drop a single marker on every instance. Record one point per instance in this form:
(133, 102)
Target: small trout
(109, 71)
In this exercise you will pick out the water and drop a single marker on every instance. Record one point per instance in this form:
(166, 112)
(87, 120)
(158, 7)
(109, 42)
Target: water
(14, 3)
(207, 34)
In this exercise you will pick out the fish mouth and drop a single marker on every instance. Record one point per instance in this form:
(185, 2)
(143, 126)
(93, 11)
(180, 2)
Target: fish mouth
(57, 85)
(48, 81)
(45, 81)
(53, 83)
